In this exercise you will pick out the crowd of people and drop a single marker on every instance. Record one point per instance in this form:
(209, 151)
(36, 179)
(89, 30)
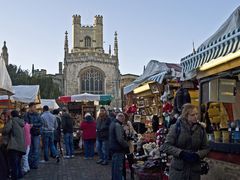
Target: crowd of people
(26, 134)
(113, 134)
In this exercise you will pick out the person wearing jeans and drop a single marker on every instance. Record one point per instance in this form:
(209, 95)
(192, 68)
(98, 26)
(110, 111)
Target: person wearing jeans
(118, 146)
(103, 150)
(103, 123)
(49, 143)
(117, 166)
(67, 126)
(33, 157)
(89, 148)
(68, 140)
(88, 126)
(49, 126)
(35, 121)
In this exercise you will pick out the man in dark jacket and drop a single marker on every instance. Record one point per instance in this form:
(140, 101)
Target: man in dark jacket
(57, 133)
(67, 126)
(35, 121)
(103, 123)
(118, 146)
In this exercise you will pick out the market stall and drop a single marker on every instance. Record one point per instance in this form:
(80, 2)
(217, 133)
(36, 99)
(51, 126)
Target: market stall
(217, 66)
(80, 103)
(23, 95)
(51, 103)
(153, 89)
(152, 94)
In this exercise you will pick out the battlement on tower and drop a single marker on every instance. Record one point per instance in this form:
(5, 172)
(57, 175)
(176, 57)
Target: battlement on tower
(98, 20)
(76, 19)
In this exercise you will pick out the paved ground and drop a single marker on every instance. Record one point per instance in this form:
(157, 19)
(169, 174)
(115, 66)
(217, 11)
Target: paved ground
(71, 169)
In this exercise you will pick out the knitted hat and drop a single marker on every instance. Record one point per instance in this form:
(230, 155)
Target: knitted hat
(88, 117)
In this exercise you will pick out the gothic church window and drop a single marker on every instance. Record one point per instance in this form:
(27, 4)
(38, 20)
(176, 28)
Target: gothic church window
(92, 81)
(87, 42)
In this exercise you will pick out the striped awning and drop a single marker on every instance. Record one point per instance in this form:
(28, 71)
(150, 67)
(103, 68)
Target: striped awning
(158, 77)
(229, 43)
(127, 89)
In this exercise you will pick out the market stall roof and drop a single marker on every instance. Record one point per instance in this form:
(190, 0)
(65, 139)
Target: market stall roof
(85, 97)
(51, 103)
(25, 94)
(104, 99)
(5, 80)
(224, 41)
(155, 71)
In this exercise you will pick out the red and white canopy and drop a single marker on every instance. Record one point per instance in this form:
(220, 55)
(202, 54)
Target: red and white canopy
(79, 97)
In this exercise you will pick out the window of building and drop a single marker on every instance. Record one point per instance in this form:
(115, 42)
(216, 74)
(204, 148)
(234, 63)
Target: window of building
(92, 81)
(87, 41)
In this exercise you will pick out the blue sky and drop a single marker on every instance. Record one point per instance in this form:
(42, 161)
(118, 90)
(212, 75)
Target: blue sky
(147, 29)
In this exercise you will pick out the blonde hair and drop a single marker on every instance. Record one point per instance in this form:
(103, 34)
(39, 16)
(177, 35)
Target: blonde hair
(187, 108)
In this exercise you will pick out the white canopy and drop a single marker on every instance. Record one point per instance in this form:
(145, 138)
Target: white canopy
(25, 94)
(51, 103)
(85, 97)
(5, 80)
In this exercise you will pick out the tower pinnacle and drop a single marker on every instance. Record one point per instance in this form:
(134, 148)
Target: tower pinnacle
(4, 53)
(66, 42)
(115, 44)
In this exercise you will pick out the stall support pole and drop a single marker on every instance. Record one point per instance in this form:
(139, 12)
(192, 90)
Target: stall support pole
(200, 99)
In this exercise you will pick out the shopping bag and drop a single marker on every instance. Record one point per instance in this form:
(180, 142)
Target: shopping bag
(80, 144)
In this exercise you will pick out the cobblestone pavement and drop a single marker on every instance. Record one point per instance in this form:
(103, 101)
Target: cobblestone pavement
(70, 169)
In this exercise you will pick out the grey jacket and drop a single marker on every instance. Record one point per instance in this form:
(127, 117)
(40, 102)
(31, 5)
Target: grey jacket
(193, 139)
(14, 129)
(49, 122)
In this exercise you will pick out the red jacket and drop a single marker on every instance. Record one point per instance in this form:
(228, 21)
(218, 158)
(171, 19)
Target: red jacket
(89, 130)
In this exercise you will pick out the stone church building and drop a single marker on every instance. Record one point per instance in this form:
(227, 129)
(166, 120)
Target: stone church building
(87, 67)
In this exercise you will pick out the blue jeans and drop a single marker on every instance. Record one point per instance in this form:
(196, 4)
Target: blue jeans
(34, 152)
(117, 166)
(48, 142)
(89, 148)
(102, 148)
(68, 140)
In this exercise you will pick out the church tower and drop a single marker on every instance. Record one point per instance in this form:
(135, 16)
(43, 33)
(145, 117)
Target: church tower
(87, 68)
(4, 53)
(98, 33)
(87, 38)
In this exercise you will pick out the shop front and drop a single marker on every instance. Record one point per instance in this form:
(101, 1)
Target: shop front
(152, 95)
(220, 92)
(216, 64)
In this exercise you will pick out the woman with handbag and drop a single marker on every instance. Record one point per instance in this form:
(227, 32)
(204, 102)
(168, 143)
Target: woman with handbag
(187, 143)
(16, 145)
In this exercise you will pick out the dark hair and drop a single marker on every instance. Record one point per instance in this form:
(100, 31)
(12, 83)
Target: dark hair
(103, 108)
(55, 111)
(31, 104)
(45, 108)
(4, 113)
(15, 113)
(64, 109)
